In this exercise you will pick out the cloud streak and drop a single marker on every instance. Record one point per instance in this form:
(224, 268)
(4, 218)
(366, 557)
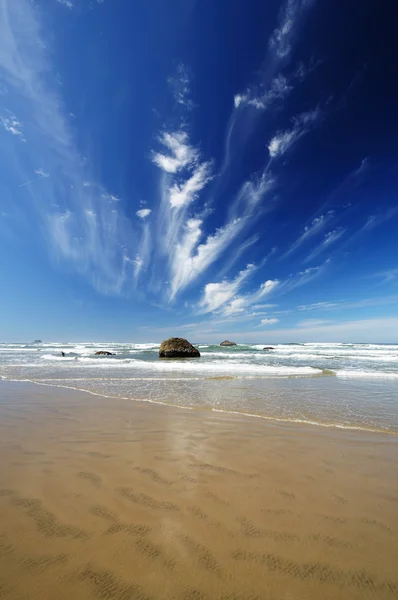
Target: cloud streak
(290, 19)
(330, 238)
(301, 125)
(81, 225)
(311, 230)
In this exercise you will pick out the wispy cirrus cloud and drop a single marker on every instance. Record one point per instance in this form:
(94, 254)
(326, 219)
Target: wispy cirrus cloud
(311, 230)
(66, 3)
(189, 260)
(303, 277)
(349, 304)
(181, 86)
(301, 124)
(268, 322)
(273, 84)
(377, 219)
(42, 173)
(289, 22)
(225, 297)
(12, 125)
(216, 295)
(143, 213)
(81, 225)
(178, 155)
(183, 237)
(386, 275)
(185, 192)
(312, 323)
(329, 239)
(279, 87)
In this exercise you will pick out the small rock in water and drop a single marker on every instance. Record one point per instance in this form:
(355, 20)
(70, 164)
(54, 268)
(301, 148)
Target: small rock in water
(177, 348)
(268, 348)
(104, 353)
(228, 343)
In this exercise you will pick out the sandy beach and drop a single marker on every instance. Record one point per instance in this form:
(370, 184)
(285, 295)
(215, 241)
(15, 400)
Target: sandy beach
(115, 499)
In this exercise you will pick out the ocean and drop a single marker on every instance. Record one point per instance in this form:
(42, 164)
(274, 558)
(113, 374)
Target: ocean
(353, 386)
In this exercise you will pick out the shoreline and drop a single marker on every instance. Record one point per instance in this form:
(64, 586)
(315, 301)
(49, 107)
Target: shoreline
(243, 415)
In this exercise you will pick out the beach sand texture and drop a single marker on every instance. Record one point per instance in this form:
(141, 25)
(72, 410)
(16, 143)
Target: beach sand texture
(118, 500)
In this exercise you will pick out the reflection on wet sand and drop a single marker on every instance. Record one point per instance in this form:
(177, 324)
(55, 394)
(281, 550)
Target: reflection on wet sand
(119, 500)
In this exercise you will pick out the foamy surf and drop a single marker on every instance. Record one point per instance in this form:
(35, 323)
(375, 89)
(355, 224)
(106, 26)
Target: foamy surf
(350, 385)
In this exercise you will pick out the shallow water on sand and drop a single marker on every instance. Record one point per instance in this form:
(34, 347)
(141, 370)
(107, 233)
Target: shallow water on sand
(122, 500)
(343, 385)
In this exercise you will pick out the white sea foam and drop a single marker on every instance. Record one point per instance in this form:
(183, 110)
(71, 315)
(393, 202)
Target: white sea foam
(367, 374)
(228, 367)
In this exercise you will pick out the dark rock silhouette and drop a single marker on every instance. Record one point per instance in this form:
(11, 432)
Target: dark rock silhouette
(177, 348)
(228, 343)
(104, 353)
(268, 348)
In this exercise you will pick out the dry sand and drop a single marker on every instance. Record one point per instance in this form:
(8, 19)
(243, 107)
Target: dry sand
(117, 500)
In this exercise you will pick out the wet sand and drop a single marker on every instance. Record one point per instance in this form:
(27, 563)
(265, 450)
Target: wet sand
(117, 500)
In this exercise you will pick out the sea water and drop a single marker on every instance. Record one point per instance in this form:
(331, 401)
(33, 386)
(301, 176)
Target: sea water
(353, 386)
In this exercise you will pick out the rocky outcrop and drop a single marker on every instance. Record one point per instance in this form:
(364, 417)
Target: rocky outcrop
(177, 348)
(268, 348)
(228, 343)
(104, 353)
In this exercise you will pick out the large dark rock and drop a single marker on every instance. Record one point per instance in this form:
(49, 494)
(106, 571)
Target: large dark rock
(177, 348)
(268, 348)
(228, 343)
(104, 353)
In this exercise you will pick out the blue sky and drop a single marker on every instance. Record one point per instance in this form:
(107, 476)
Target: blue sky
(205, 169)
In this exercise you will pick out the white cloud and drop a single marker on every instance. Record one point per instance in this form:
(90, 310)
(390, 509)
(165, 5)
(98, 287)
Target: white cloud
(12, 125)
(143, 213)
(345, 304)
(180, 155)
(181, 87)
(387, 275)
(144, 251)
(310, 231)
(66, 3)
(303, 277)
(79, 227)
(312, 323)
(361, 331)
(281, 142)
(329, 239)
(320, 306)
(289, 22)
(250, 195)
(238, 99)
(278, 89)
(261, 306)
(42, 173)
(216, 295)
(189, 260)
(184, 193)
(223, 297)
(271, 321)
(284, 140)
(265, 288)
(379, 218)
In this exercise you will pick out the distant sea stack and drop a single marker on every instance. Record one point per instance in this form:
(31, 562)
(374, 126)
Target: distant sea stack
(228, 343)
(37, 342)
(177, 348)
